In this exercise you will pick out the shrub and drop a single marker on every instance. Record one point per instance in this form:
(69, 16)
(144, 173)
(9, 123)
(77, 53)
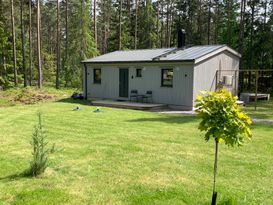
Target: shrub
(223, 120)
(31, 96)
(40, 151)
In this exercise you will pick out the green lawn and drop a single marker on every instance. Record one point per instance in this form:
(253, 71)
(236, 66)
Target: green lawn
(264, 109)
(128, 157)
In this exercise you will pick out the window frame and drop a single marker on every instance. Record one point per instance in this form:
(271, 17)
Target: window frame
(139, 69)
(162, 77)
(95, 81)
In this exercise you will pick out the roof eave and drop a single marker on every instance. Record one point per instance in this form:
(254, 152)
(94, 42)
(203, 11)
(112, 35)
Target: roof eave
(126, 62)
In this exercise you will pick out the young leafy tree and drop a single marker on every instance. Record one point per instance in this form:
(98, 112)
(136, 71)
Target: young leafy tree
(222, 120)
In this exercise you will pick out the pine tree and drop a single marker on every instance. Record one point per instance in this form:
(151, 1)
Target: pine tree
(30, 42)
(147, 25)
(38, 22)
(23, 42)
(58, 47)
(13, 44)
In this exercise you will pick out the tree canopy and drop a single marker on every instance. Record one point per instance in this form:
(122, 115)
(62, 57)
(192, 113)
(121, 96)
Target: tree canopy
(91, 27)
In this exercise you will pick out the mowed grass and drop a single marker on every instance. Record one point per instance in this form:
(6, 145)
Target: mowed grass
(123, 156)
(264, 109)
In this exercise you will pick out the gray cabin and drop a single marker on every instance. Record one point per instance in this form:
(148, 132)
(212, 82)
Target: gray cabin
(174, 75)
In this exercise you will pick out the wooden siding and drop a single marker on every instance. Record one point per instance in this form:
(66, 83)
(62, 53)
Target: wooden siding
(180, 94)
(188, 80)
(205, 72)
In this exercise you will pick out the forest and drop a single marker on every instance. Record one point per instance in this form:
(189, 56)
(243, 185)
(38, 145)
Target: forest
(42, 42)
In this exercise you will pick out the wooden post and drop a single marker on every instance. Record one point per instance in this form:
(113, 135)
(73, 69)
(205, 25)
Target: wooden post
(256, 89)
(216, 80)
(235, 87)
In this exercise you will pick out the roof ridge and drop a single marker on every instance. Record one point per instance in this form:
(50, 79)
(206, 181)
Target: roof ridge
(165, 54)
(143, 49)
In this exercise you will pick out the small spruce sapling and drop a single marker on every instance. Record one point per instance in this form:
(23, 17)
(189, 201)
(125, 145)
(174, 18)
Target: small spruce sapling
(224, 121)
(40, 151)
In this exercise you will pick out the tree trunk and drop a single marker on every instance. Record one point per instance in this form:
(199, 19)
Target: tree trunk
(58, 48)
(2, 57)
(216, 27)
(265, 14)
(251, 43)
(229, 29)
(30, 42)
(167, 25)
(170, 23)
(129, 13)
(95, 23)
(136, 23)
(209, 17)
(40, 75)
(241, 34)
(199, 22)
(149, 26)
(13, 44)
(66, 43)
(23, 43)
(82, 30)
(162, 25)
(157, 25)
(120, 13)
(241, 43)
(252, 30)
(214, 195)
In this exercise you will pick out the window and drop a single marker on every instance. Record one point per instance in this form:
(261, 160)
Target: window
(97, 76)
(167, 77)
(138, 72)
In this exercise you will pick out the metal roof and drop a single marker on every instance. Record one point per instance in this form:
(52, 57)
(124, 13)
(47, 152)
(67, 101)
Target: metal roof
(158, 55)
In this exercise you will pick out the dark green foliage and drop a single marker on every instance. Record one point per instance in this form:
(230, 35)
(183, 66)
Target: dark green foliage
(147, 25)
(156, 26)
(40, 151)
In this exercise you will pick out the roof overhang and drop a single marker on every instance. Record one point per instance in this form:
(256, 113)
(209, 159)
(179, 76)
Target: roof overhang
(156, 61)
(132, 63)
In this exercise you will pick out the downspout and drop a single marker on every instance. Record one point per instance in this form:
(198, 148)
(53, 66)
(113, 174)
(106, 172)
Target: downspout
(85, 80)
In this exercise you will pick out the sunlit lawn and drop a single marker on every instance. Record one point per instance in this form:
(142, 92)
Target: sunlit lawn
(264, 109)
(128, 157)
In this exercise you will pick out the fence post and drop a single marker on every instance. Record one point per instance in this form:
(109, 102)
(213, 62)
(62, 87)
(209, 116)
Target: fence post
(235, 79)
(216, 83)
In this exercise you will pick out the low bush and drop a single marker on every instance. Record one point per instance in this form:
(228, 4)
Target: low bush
(30, 96)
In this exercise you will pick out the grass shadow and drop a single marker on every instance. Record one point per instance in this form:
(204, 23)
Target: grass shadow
(75, 101)
(25, 174)
(172, 119)
(14, 177)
